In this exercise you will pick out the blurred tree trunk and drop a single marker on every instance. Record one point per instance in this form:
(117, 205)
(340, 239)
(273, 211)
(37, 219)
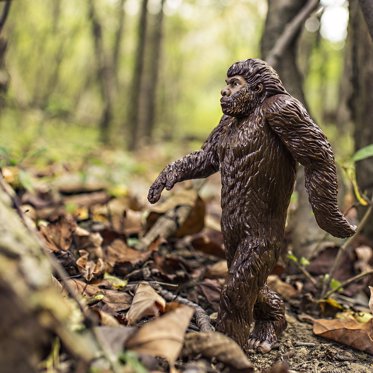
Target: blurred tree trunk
(104, 74)
(42, 96)
(33, 310)
(4, 75)
(361, 101)
(367, 9)
(152, 81)
(118, 40)
(134, 102)
(305, 233)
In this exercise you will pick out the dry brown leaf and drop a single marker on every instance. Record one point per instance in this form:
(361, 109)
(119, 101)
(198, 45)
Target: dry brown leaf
(89, 268)
(163, 336)
(85, 240)
(281, 287)
(217, 270)
(209, 242)
(113, 301)
(59, 234)
(105, 319)
(114, 337)
(146, 302)
(122, 258)
(348, 332)
(211, 289)
(219, 346)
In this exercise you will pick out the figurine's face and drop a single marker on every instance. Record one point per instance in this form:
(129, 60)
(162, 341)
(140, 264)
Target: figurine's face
(238, 98)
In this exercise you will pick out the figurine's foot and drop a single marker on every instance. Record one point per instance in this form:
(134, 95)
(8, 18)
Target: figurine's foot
(264, 336)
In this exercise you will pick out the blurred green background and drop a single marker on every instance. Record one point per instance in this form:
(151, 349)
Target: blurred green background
(58, 50)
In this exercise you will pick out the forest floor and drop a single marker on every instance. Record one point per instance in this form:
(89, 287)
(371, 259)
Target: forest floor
(305, 352)
(93, 216)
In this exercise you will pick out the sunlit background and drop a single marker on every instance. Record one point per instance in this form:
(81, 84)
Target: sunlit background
(54, 96)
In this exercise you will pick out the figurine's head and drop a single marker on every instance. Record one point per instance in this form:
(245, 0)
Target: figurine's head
(249, 82)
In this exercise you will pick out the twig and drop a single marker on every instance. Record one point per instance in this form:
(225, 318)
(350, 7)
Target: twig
(348, 282)
(202, 319)
(290, 31)
(306, 273)
(344, 247)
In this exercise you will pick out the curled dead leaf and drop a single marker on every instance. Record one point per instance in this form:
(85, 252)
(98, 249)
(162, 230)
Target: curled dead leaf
(163, 336)
(146, 302)
(219, 346)
(89, 268)
(349, 332)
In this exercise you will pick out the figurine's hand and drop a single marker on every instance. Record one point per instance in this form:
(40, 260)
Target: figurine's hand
(166, 179)
(155, 191)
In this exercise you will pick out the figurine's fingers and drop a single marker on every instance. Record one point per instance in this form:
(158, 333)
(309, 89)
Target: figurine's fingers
(155, 192)
(170, 182)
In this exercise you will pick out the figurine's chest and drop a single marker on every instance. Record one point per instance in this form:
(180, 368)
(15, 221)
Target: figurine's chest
(244, 137)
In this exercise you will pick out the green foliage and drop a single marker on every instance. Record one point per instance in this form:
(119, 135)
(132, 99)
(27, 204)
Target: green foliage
(131, 360)
(363, 153)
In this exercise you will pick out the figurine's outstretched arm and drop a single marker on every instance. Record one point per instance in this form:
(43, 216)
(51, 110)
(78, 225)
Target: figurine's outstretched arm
(196, 165)
(309, 146)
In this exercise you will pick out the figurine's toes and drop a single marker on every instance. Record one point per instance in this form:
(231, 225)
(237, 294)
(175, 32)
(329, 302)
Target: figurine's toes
(260, 346)
(264, 347)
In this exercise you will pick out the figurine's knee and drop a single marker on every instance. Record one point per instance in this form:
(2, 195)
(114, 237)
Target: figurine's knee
(269, 305)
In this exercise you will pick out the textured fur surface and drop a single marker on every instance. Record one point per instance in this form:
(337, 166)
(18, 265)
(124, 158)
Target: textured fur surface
(256, 145)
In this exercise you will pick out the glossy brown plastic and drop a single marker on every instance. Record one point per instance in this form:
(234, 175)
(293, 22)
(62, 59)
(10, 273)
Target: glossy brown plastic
(263, 133)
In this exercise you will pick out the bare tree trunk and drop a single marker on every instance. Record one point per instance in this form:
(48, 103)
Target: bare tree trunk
(152, 81)
(134, 132)
(361, 101)
(304, 231)
(104, 74)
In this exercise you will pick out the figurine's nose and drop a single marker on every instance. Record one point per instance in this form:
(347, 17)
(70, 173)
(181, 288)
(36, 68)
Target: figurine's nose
(225, 91)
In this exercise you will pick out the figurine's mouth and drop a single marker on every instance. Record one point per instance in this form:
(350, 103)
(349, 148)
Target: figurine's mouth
(224, 102)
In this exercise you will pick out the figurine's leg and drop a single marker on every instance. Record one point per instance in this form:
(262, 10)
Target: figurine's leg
(247, 274)
(270, 322)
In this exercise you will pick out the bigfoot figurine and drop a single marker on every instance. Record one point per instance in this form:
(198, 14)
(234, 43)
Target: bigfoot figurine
(263, 133)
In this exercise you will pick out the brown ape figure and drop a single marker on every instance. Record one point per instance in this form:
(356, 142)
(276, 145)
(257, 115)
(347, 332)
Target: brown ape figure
(263, 133)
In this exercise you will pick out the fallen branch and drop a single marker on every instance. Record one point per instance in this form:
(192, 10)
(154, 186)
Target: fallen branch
(289, 32)
(170, 222)
(202, 319)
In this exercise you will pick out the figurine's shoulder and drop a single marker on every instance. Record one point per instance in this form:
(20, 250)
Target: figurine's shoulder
(282, 109)
(280, 104)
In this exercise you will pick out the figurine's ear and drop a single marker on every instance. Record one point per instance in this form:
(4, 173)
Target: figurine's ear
(259, 88)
